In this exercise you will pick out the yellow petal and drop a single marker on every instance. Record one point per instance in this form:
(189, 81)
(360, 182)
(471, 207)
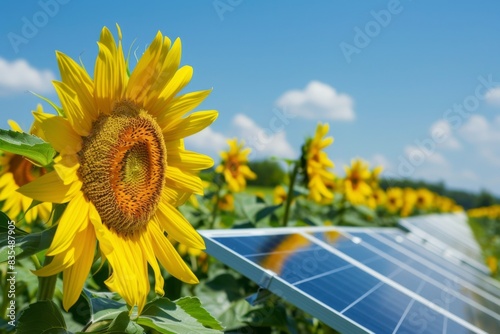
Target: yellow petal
(80, 122)
(75, 276)
(59, 133)
(177, 226)
(146, 71)
(192, 124)
(14, 126)
(74, 219)
(50, 188)
(66, 167)
(180, 79)
(59, 263)
(189, 160)
(149, 254)
(182, 180)
(174, 196)
(79, 81)
(168, 256)
(130, 276)
(181, 105)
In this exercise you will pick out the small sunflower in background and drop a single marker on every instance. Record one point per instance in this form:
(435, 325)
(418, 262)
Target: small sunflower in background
(279, 195)
(424, 199)
(374, 180)
(226, 202)
(379, 197)
(234, 166)
(317, 165)
(409, 200)
(394, 199)
(356, 182)
(118, 134)
(15, 172)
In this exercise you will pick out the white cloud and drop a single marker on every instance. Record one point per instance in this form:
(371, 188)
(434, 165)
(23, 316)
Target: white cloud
(441, 130)
(420, 156)
(479, 130)
(207, 141)
(19, 76)
(492, 96)
(264, 142)
(380, 160)
(318, 101)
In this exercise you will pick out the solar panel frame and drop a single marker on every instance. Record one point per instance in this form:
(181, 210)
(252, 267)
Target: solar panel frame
(274, 283)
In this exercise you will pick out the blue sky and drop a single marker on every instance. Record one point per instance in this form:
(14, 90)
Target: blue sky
(412, 85)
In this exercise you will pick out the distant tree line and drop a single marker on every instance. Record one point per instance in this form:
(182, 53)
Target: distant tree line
(270, 174)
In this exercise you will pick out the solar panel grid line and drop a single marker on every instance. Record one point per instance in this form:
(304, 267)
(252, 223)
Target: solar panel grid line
(446, 248)
(447, 251)
(378, 285)
(478, 274)
(430, 280)
(408, 308)
(437, 268)
(395, 285)
(280, 288)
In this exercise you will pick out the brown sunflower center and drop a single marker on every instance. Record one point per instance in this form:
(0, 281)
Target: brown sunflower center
(24, 171)
(122, 165)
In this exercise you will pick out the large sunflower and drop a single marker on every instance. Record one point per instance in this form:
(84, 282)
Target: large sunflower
(234, 166)
(317, 165)
(122, 168)
(16, 171)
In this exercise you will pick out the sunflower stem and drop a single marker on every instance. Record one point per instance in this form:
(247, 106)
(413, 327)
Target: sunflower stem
(215, 211)
(289, 197)
(46, 285)
(35, 261)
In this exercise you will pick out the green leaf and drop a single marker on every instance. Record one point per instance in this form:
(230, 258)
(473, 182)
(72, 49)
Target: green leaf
(5, 226)
(29, 146)
(352, 219)
(120, 325)
(166, 316)
(192, 306)
(263, 213)
(224, 297)
(42, 317)
(25, 244)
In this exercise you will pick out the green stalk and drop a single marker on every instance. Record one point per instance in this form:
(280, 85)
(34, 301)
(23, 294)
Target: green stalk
(46, 285)
(215, 211)
(289, 197)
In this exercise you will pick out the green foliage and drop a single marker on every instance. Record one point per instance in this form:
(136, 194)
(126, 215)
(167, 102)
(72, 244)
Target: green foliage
(41, 317)
(269, 173)
(183, 316)
(29, 146)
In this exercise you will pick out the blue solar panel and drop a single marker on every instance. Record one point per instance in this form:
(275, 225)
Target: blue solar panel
(362, 280)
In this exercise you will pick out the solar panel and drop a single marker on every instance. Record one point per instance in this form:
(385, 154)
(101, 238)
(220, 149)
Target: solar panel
(360, 280)
(449, 234)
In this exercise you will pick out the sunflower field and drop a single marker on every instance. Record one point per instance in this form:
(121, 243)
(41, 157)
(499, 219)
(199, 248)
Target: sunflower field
(101, 202)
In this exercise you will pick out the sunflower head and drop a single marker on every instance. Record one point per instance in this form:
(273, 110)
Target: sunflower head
(356, 182)
(394, 200)
(316, 165)
(122, 167)
(234, 166)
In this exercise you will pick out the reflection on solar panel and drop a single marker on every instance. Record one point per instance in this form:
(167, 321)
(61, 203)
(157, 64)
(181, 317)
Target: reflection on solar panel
(363, 280)
(450, 234)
